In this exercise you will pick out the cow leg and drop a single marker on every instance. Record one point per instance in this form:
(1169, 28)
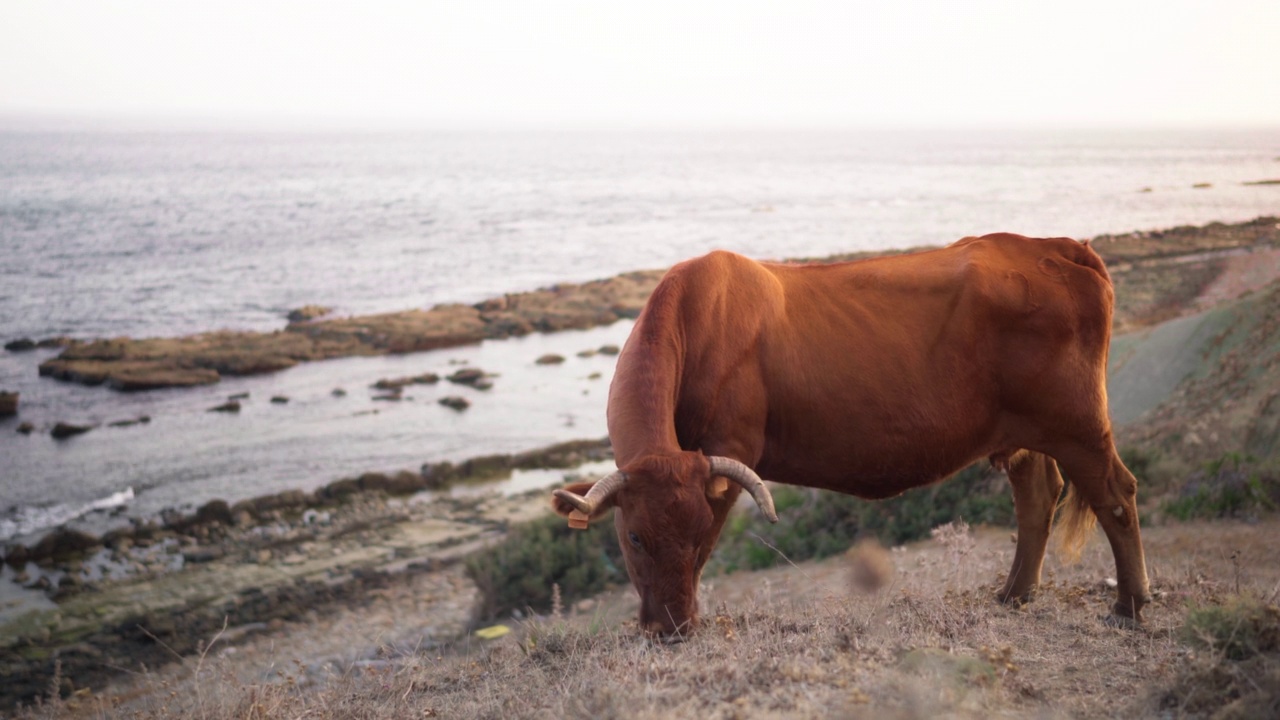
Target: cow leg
(1036, 485)
(1101, 483)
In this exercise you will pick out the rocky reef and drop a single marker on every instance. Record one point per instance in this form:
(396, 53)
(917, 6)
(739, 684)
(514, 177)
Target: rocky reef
(128, 364)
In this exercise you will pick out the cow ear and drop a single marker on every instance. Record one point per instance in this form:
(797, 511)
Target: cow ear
(563, 508)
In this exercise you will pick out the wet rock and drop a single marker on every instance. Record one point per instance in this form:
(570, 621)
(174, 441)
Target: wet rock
(403, 382)
(63, 544)
(214, 511)
(140, 420)
(20, 345)
(8, 403)
(485, 466)
(405, 483)
(261, 507)
(339, 489)
(307, 313)
(373, 482)
(144, 531)
(467, 376)
(61, 341)
(550, 359)
(231, 406)
(563, 455)
(589, 352)
(139, 379)
(235, 361)
(455, 402)
(608, 350)
(65, 430)
(119, 539)
(203, 554)
(338, 392)
(239, 396)
(26, 428)
(67, 588)
(17, 555)
(437, 475)
(279, 399)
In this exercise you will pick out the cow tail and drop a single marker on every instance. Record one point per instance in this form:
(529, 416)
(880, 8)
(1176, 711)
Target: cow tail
(1075, 523)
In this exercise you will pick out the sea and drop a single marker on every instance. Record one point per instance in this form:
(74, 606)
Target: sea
(142, 233)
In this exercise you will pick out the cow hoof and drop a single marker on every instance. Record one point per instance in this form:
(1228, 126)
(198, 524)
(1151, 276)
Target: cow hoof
(1016, 601)
(1124, 622)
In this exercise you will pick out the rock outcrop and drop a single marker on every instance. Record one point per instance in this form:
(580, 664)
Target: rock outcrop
(65, 430)
(8, 404)
(128, 364)
(307, 313)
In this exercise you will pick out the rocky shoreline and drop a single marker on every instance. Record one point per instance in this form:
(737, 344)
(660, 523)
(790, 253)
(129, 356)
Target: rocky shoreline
(128, 364)
(159, 588)
(146, 364)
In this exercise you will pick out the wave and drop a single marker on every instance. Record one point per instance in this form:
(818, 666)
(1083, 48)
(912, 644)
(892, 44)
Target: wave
(28, 520)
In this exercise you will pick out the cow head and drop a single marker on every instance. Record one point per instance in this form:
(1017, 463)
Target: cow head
(669, 513)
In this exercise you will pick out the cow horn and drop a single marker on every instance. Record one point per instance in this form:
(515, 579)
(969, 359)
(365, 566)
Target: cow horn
(748, 479)
(601, 491)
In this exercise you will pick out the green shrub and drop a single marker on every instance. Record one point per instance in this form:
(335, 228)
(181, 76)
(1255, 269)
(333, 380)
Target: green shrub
(1226, 487)
(1240, 628)
(518, 572)
(817, 523)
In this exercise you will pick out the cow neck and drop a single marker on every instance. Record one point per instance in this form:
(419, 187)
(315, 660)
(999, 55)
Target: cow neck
(642, 398)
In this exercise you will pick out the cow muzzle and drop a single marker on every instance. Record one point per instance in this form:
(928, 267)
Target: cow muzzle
(670, 633)
(665, 622)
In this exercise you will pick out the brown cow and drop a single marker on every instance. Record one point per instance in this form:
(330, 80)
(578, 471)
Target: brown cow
(870, 378)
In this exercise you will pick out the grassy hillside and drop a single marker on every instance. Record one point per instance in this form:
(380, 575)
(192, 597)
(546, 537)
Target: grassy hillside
(818, 640)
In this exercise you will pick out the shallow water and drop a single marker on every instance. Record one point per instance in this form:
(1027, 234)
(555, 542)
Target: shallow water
(187, 455)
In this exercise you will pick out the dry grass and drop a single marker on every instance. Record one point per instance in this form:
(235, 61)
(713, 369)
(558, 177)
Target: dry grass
(811, 641)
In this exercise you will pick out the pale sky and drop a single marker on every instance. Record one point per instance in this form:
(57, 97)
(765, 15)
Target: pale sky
(639, 63)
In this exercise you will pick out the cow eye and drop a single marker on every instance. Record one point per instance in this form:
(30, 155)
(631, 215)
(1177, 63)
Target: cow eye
(635, 540)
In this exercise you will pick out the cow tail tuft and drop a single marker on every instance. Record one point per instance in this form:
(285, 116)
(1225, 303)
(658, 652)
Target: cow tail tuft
(1075, 522)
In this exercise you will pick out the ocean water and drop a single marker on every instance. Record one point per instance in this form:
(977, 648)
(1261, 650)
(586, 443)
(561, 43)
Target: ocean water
(164, 233)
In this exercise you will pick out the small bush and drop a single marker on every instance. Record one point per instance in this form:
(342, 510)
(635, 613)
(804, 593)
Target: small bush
(1226, 487)
(815, 523)
(1240, 628)
(520, 571)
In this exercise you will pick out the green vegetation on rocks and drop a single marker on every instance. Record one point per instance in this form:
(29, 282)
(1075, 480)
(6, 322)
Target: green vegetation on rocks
(520, 571)
(1231, 486)
(815, 523)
